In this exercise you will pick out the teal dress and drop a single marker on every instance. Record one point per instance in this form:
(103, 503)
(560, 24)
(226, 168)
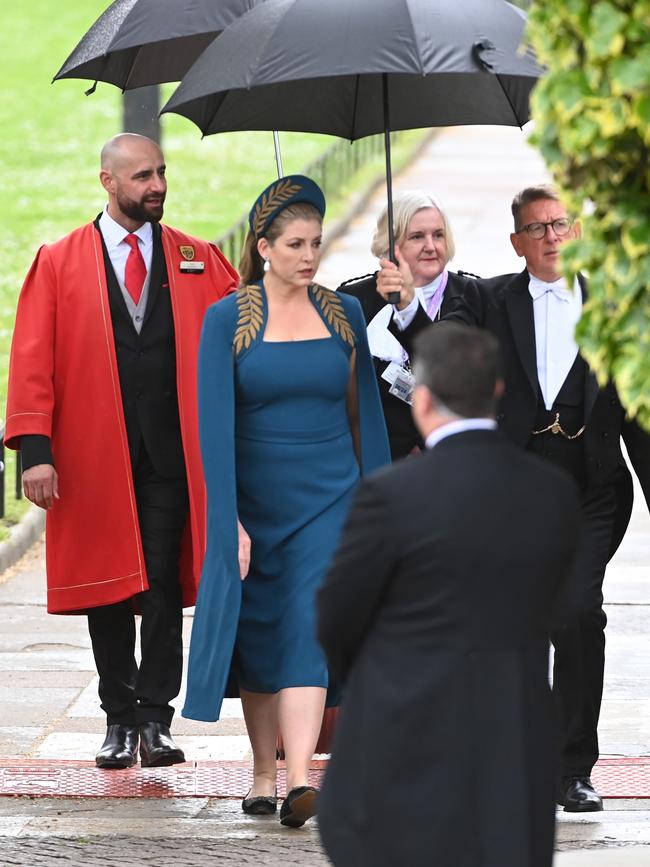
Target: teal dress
(278, 452)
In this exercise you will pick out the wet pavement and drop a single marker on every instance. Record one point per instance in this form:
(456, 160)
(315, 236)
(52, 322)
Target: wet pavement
(49, 711)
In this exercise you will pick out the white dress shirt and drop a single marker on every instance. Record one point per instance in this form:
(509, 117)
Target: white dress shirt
(118, 252)
(556, 310)
(382, 343)
(459, 426)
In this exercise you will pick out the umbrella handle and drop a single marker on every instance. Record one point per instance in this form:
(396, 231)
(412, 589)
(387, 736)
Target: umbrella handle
(393, 297)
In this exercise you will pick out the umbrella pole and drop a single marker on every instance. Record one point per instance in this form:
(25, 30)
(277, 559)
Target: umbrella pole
(393, 297)
(278, 153)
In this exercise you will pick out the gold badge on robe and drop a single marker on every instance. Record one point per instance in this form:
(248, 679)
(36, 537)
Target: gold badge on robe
(187, 252)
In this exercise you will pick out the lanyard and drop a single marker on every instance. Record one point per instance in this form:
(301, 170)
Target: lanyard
(433, 307)
(436, 299)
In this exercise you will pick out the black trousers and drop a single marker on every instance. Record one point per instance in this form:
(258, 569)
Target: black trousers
(580, 644)
(133, 694)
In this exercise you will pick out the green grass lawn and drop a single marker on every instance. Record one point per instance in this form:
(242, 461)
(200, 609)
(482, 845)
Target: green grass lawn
(52, 135)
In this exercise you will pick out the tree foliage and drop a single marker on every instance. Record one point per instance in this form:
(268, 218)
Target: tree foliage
(592, 125)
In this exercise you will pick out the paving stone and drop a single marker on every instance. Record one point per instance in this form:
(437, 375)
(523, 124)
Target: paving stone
(87, 851)
(84, 745)
(35, 706)
(26, 628)
(35, 678)
(50, 658)
(19, 740)
(614, 857)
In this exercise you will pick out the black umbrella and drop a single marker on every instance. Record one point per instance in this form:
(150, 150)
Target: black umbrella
(354, 68)
(136, 43)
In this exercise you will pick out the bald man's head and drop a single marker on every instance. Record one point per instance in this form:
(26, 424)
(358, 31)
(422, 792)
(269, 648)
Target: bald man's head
(133, 175)
(124, 147)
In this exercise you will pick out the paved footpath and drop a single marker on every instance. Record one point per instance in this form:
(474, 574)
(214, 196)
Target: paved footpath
(48, 689)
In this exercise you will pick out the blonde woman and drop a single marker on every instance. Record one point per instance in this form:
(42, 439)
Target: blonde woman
(424, 248)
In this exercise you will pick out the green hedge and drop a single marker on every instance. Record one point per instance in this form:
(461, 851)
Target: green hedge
(592, 125)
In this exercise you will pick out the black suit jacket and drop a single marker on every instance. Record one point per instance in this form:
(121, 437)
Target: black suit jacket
(503, 305)
(436, 617)
(146, 364)
(402, 434)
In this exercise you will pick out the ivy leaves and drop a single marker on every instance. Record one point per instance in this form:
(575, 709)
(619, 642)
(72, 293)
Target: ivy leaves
(592, 118)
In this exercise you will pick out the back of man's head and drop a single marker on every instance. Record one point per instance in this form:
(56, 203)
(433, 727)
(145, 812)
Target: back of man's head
(461, 367)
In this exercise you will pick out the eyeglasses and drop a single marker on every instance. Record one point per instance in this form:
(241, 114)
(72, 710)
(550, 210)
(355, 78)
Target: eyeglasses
(537, 231)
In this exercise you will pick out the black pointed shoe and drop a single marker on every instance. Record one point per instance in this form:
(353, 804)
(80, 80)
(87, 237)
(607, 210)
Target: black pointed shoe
(577, 795)
(298, 806)
(120, 748)
(260, 805)
(157, 747)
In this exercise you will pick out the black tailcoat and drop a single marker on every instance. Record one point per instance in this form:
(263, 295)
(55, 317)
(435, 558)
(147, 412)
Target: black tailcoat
(503, 305)
(436, 618)
(402, 434)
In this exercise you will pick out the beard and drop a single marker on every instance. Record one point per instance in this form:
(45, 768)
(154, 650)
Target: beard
(144, 211)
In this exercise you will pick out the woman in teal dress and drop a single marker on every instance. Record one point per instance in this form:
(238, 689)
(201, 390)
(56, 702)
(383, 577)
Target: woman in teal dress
(289, 418)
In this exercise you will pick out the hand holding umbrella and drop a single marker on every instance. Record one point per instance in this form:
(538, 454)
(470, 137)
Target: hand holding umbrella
(395, 281)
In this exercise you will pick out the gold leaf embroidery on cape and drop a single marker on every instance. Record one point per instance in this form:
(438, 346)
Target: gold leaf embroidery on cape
(334, 312)
(277, 195)
(250, 316)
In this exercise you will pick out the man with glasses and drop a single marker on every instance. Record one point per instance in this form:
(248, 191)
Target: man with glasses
(553, 407)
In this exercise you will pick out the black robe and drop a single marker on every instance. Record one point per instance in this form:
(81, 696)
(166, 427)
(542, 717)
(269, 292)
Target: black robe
(402, 435)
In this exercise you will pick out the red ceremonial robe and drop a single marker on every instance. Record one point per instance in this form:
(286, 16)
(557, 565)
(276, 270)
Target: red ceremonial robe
(64, 384)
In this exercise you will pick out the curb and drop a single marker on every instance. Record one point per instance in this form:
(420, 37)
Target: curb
(23, 536)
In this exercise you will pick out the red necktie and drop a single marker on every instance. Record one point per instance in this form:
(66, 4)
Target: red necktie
(135, 271)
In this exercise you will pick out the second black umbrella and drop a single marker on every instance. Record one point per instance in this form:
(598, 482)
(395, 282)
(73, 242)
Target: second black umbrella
(135, 43)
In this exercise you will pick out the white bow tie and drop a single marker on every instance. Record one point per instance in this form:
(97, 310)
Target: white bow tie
(559, 290)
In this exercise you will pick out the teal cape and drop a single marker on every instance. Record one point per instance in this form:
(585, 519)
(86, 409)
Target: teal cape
(232, 328)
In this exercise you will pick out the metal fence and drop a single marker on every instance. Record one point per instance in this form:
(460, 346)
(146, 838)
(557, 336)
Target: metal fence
(3, 472)
(332, 170)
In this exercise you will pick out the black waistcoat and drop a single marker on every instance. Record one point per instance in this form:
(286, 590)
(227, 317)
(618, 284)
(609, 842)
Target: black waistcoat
(570, 404)
(146, 364)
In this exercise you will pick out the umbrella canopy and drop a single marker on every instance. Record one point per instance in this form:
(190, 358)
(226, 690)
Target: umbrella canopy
(135, 43)
(311, 66)
(352, 68)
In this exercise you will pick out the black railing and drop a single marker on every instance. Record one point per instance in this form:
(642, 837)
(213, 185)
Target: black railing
(3, 472)
(332, 170)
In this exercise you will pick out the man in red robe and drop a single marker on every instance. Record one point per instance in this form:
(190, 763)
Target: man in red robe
(102, 404)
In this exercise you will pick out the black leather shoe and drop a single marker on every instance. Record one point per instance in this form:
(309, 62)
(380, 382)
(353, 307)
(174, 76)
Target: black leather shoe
(120, 749)
(298, 806)
(157, 748)
(577, 795)
(260, 805)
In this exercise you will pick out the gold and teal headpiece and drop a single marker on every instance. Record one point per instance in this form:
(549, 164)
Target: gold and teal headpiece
(278, 196)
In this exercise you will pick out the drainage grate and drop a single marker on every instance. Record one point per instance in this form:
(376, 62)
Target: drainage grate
(66, 779)
(623, 778)
(614, 778)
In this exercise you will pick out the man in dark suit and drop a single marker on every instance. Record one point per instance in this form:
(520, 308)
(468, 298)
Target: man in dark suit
(436, 617)
(102, 403)
(553, 407)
